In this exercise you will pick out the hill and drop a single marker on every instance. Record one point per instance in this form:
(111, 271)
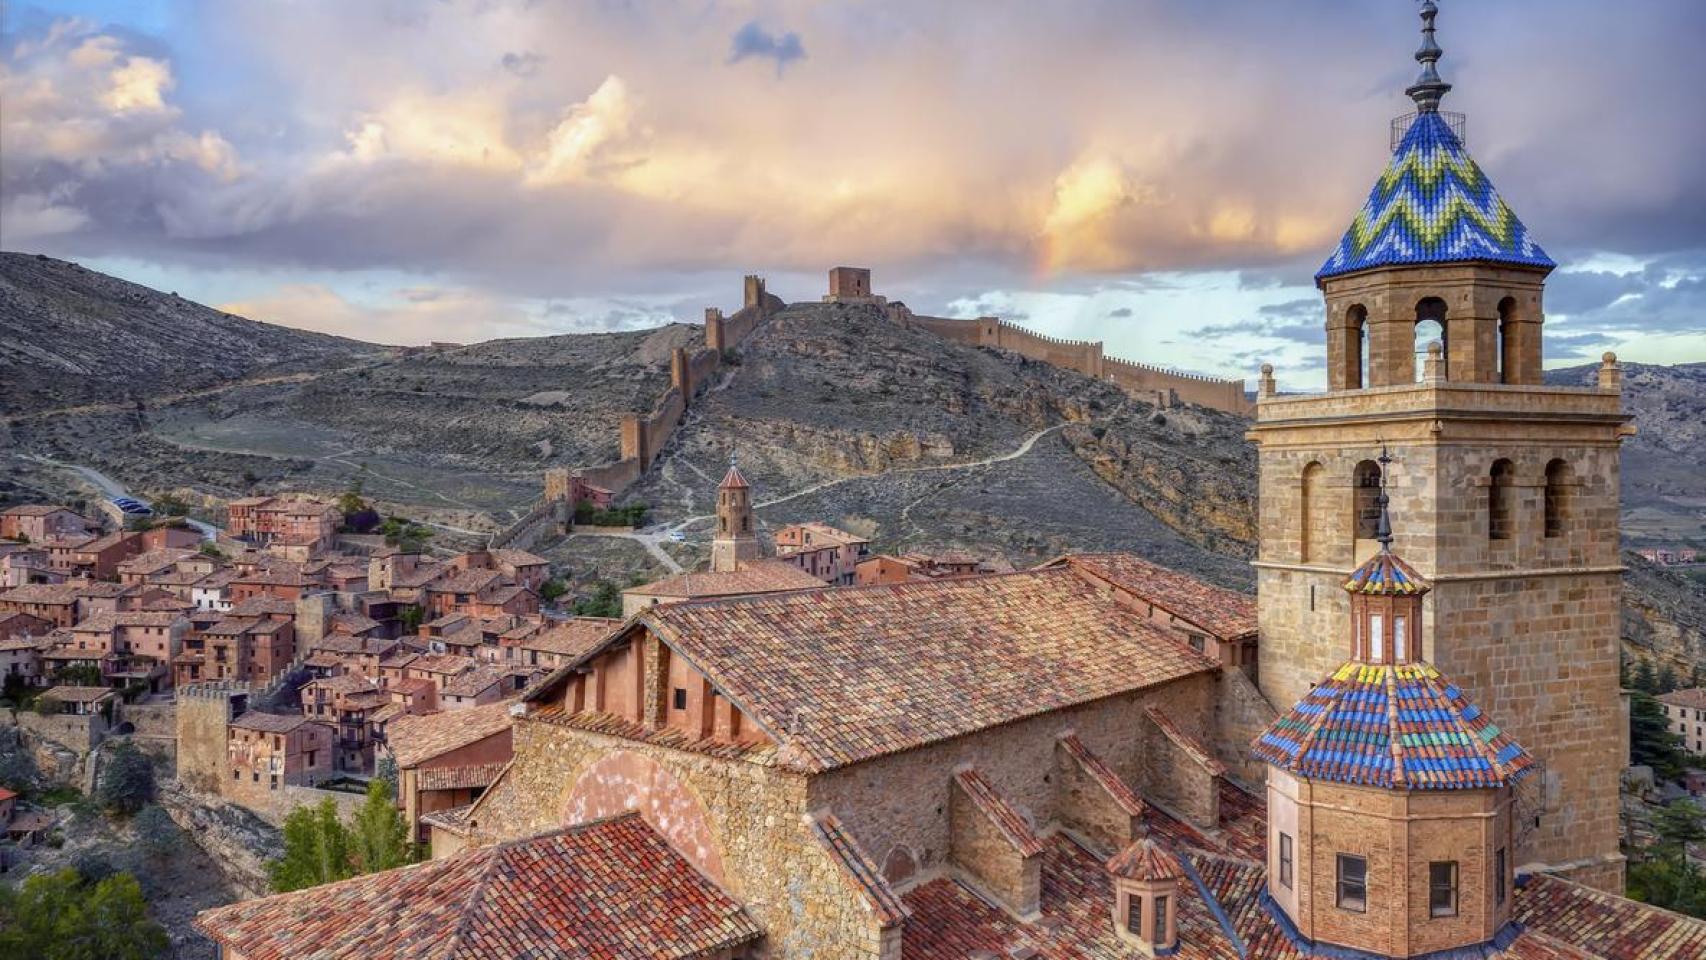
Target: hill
(71, 336)
(834, 413)
(1664, 481)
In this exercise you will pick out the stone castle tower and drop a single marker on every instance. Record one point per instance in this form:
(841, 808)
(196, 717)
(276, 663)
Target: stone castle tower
(735, 542)
(1506, 489)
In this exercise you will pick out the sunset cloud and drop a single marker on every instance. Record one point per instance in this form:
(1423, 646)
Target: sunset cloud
(530, 151)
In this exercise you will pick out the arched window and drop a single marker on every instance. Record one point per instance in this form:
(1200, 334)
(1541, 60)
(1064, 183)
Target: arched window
(1559, 481)
(1430, 327)
(1501, 497)
(1314, 505)
(1356, 347)
(1365, 483)
(1507, 340)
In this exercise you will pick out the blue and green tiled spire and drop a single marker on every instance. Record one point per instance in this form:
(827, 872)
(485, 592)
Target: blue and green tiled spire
(1432, 204)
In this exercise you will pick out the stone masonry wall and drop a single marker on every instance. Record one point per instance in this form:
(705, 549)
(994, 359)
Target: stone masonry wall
(902, 800)
(1528, 624)
(769, 858)
(982, 850)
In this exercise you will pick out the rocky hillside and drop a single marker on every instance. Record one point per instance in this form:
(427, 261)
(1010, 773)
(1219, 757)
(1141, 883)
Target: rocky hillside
(71, 336)
(1664, 466)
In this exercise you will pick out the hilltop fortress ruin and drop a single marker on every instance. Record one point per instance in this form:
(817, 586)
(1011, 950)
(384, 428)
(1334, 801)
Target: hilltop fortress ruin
(644, 435)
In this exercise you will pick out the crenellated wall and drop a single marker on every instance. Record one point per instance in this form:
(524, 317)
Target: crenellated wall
(1087, 358)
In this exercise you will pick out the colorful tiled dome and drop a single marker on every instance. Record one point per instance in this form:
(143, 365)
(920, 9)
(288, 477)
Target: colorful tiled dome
(1433, 205)
(1386, 575)
(1401, 726)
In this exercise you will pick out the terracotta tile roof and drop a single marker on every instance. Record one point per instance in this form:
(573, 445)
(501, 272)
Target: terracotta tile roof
(270, 722)
(1145, 859)
(518, 558)
(472, 683)
(1693, 697)
(611, 889)
(352, 623)
(155, 560)
(399, 660)
(1001, 814)
(343, 683)
(466, 581)
(74, 694)
(1385, 574)
(230, 626)
(733, 479)
(884, 903)
(761, 754)
(1227, 614)
(464, 777)
(147, 618)
(450, 663)
(420, 576)
(1605, 926)
(57, 594)
(823, 535)
(1192, 747)
(1243, 821)
(34, 510)
(454, 819)
(1392, 726)
(416, 739)
(841, 676)
(764, 576)
(571, 638)
(1104, 775)
(324, 658)
(412, 686)
(101, 589)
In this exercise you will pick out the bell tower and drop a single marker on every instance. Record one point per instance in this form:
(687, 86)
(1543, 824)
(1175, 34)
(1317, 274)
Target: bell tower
(1506, 488)
(735, 542)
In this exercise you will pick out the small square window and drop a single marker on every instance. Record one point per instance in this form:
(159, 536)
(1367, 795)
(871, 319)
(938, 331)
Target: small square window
(680, 698)
(1442, 888)
(1353, 883)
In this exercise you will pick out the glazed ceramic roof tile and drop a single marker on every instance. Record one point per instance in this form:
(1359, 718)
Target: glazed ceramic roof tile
(1433, 205)
(1384, 725)
(1386, 574)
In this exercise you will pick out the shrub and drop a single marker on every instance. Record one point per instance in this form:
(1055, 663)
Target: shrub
(127, 781)
(61, 916)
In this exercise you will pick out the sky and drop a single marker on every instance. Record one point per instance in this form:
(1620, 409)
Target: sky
(1162, 175)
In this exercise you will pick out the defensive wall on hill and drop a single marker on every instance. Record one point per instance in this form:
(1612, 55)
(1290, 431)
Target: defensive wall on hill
(644, 435)
(1086, 357)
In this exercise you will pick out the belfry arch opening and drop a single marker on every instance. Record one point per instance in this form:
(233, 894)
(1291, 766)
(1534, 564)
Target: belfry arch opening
(1507, 340)
(1314, 507)
(1356, 347)
(1560, 480)
(1501, 497)
(1430, 328)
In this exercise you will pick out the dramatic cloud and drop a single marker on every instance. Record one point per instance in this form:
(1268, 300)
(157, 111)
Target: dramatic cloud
(752, 40)
(1070, 161)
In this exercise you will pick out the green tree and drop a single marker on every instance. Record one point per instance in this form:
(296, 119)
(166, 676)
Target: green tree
(1643, 679)
(127, 780)
(352, 501)
(606, 601)
(57, 916)
(1665, 876)
(410, 617)
(316, 849)
(1651, 742)
(552, 589)
(1666, 681)
(156, 830)
(79, 675)
(379, 838)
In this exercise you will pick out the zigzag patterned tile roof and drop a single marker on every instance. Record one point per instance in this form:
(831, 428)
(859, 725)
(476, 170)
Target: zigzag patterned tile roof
(1384, 725)
(1433, 205)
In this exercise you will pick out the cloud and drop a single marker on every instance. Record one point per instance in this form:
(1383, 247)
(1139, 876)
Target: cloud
(552, 151)
(752, 40)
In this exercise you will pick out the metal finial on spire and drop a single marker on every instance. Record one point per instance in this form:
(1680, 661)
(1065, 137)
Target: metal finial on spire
(1429, 89)
(1383, 529)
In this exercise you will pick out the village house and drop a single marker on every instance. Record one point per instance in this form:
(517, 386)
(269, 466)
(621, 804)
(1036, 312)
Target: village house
(829, 554)
(1686, 711)
(21, 658)
(348, 703)
(55, 603)
(305, 526)
(20, 565)
(552, 645)
(62, 552)
(447, 760)
(79, 701)
(884, 568)
(267, 751)
(38, 522)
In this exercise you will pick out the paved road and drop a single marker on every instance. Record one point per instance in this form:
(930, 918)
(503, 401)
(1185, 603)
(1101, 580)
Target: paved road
(112, 489)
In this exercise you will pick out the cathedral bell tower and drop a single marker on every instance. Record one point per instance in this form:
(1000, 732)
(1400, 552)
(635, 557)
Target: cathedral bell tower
(1507, 488)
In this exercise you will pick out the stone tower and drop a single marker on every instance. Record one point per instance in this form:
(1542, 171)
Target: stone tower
(735, 542)
(1506, 489)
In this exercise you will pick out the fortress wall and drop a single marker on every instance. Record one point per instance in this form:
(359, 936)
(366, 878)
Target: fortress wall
(615, 477)
(1087, 357)
(740, 324)
(1225, 395)
(700, 368)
